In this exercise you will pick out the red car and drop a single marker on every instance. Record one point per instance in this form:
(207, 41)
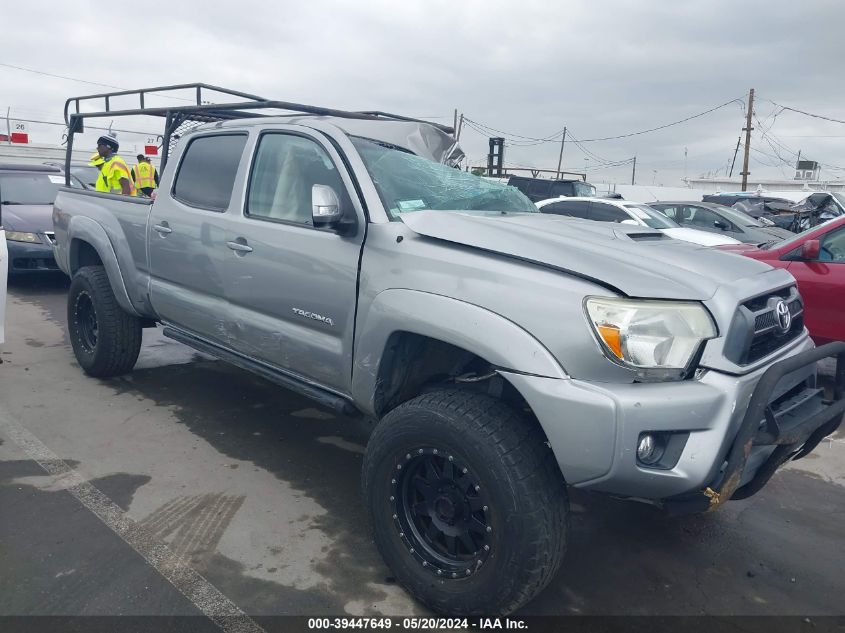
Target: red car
(816, 258)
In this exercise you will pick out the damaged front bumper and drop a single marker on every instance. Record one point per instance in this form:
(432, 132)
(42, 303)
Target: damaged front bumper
(788, 429)
(728, 433)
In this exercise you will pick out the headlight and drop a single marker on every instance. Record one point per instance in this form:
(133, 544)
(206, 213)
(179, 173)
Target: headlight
(17, 236)
(657, 339)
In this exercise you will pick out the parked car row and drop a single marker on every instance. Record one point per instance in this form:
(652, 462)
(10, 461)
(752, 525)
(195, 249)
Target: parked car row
(816, 257)
(815, 209)
(624, 212)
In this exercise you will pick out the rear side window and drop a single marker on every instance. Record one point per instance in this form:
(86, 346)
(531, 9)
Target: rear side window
(607, 213)
(208, 169)
(571, 208)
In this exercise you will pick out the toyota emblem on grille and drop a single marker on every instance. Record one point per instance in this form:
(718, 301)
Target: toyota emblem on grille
(783, 315)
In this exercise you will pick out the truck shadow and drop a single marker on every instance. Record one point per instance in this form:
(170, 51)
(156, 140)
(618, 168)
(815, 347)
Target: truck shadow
(780, 552)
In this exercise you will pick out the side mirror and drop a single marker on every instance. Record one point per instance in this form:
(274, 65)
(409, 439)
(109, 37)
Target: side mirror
(810, 250)
(720, 225)
(325, 206)
(327, 212)
(631, 222)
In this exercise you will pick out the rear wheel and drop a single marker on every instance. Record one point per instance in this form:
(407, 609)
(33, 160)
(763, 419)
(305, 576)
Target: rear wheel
(105, 339)
(467, 505)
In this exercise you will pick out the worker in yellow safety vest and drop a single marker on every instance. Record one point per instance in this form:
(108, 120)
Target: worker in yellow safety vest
(144, 175)
(96, 161)
(114, 173)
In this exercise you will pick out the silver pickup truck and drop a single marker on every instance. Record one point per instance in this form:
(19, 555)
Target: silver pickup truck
(501, 354)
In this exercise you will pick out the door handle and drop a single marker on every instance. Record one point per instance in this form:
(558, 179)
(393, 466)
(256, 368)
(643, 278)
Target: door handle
(239, 247)
(162, 229)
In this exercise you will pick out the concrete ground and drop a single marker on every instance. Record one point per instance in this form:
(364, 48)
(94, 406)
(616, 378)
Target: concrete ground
(257, 489)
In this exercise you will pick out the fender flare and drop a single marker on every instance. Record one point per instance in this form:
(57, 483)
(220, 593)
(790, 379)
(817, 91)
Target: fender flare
(467, 326)
(83, 229)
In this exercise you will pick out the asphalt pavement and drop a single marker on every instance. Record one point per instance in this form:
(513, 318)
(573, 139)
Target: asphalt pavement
(189, 486)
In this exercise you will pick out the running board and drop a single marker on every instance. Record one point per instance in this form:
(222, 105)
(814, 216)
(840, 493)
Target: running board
(326, 398)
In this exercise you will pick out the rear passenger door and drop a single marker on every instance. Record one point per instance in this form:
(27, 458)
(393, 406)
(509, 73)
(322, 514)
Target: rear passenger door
(293, 287)
(187, 231)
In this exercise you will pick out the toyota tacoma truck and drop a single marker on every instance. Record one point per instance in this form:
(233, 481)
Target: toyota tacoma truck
(502, 355)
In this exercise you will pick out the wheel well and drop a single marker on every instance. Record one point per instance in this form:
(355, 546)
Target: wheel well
(83, 254)
(413, 364)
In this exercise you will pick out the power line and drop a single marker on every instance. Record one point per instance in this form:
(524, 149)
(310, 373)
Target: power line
(805, 113)
(46, 74)
(92, 127)
(84, 81)
(556, 136)
(773, 140)
(663, 127)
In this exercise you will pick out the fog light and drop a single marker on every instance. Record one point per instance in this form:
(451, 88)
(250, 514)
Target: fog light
(650, 448)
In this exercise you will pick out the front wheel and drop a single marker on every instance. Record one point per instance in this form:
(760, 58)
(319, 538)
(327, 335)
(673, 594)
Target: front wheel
(466, 502)
(105, 339)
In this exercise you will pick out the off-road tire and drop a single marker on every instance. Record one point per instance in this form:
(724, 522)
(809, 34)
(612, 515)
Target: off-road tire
(507, 455)
(117, 340)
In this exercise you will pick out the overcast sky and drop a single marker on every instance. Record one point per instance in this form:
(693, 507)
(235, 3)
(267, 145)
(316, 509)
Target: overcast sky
(601, 68)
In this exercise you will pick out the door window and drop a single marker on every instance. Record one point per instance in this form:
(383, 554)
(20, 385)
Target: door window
(208, 169)
(286, 167)
(833, 247)
(703, 218)
(670, 212)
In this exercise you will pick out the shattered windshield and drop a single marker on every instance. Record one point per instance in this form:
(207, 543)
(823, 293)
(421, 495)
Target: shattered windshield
(406, 182)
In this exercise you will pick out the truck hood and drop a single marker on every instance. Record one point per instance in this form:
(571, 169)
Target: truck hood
(28, 218)
(630, 260)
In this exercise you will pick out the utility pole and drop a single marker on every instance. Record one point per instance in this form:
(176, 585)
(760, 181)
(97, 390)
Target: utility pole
(685, 164)
(747, 129)
(736, 151)
(8, 126)
(634, 171)
(460, 125)
(455, 121)
(560, 157)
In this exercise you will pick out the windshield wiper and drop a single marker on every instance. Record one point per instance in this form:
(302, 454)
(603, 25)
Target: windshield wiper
(10, 202)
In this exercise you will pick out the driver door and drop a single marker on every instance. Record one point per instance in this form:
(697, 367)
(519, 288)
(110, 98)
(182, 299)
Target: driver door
(292, 287)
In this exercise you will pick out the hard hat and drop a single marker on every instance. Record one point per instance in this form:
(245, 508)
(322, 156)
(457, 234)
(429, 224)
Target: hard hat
(111, 141)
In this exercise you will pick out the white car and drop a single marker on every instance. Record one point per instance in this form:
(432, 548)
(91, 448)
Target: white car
(624, 212)
(4, 272)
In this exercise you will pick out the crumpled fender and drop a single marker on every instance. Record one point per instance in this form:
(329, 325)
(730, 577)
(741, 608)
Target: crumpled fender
(482, 332)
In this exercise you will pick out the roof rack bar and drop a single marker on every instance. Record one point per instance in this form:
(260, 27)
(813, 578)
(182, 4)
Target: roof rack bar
(253, 102)
(142, 92)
